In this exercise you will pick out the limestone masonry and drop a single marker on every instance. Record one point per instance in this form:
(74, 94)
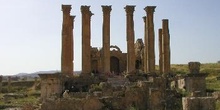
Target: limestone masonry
(113, 80)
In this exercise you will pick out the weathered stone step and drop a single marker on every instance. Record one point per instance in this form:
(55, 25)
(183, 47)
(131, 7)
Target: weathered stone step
(117, 81)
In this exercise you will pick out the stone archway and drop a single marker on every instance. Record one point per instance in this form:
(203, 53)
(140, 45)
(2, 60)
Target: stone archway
(114, 65)
(94, 66)
(137, 64)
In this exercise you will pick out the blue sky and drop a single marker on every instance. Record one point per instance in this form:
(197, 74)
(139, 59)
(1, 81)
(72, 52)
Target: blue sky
(30, 30)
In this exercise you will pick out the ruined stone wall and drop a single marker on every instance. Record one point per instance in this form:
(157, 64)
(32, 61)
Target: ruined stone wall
(97, 58)
(181, 83)
(96, 65)
(89, 103)
(198, 103)
(108, 98)
(139, 54)
(196, 83)
(50, 85)
(20, 83)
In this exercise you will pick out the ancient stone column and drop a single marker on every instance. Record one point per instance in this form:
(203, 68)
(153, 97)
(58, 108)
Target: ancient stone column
(146, 69)
(166, 46)
(130, 39)
(67, 41)
(106, 38)
(72, 40)
(86, 36)
(160, 50)
(150, 35)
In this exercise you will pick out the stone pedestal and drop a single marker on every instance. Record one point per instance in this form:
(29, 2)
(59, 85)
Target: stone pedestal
(67, 41)
(150, 35)
(51, 85)
(194, 67)
(106, 38)
(198, 103)
(196, 82)
(156, 99)
(130, 39)
(166, 46)
(86, 36)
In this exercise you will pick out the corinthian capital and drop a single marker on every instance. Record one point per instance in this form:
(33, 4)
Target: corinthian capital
(106, 9)
(66, 8)
(150, 9)
(129, 9)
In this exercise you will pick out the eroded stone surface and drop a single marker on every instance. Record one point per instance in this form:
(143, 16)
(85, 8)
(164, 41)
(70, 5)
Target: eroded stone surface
(86, 39)
(166, 46)
(194, 67)
(67, 41)
(150, 36)
(198, 103)
(106, 38)
(114, 80)
(130, 38)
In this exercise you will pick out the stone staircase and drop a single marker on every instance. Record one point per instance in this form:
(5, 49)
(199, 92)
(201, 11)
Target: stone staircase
(118, 81)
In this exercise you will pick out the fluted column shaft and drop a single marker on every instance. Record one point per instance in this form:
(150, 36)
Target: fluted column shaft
(67, 41)
(160, 50)
(86, 36)
(72, 41)
(146, 68)
(130, 39)
(106, 38)
(150, 31)
(166, 46)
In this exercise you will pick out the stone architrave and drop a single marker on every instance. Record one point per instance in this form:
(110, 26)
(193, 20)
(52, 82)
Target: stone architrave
(160, 50)
(146, 69)
(166, 46)
(67, 41)
(86, 36)
(150, 35)
(130, 39)
(106, 38)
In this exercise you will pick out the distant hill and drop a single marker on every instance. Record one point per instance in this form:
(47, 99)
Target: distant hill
(35, 74)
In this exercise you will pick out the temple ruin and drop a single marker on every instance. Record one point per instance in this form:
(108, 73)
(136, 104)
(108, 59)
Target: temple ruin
(105, 60)
(111, 79)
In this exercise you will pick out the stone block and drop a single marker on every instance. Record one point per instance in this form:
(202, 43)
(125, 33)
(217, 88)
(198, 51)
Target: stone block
(216, 95)
(194, 67)
(156, 99)
(196, 94)
(198, 103)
